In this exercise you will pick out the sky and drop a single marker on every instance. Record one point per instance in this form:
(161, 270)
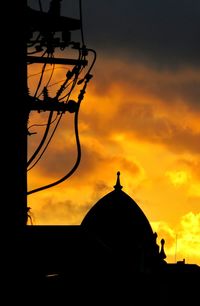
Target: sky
(140, 116)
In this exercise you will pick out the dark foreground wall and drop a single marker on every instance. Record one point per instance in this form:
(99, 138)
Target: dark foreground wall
(66, 266)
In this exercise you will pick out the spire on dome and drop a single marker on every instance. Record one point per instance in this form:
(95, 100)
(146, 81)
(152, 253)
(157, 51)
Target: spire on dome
(118, 185)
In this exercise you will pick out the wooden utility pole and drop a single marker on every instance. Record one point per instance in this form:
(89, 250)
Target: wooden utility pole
(17, 140)
(23, 22)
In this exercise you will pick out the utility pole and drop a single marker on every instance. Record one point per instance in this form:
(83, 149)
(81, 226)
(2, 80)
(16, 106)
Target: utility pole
(18, 105)
(27, 21)
(17, 124)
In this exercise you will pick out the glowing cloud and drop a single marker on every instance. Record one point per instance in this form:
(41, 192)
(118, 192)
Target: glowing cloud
(178, 178)
(183, 241)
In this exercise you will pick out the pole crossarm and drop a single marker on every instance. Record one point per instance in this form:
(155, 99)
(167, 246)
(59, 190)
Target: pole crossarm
(52, 60)
(51, 105)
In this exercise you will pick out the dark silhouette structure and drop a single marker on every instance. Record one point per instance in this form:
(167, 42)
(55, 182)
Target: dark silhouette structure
(34, 40)
(112, 257)
(117, 221)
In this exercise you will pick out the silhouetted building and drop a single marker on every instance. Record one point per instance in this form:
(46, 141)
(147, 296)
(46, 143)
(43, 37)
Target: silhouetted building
(111, 257)
(118, 222)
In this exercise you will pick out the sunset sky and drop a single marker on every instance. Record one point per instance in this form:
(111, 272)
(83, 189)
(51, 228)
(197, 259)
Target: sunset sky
(140, 116)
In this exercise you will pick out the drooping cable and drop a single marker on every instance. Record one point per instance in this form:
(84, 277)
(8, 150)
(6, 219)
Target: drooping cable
(76, 71)
(46, 70)
(40, 5)
(94, 59)
(80, 98)
(48, 122)
(91, 66)
(74, 82)
(83, 52)
(40, 80)
(53, 132)
(49, 80)
(81, 22)
(42, 141)
(45, 148)
(42, 124)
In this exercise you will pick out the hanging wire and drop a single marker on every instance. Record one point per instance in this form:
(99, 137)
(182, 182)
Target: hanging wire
(42, 124)
(41, 77)
(45, 148)
(77, 70)
(91, 66)
(45, 136)
(61, 98)
(49, 119)
(81, 22)
(49, 80)
(81, 95)
(42, 140)
(40, 5)
(74, 82)
(46, 70)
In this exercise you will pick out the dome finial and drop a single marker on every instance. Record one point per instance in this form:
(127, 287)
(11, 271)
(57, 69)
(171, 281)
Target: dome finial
(118, 185)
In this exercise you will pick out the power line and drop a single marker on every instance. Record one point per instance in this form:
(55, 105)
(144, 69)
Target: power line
(46, 40)
(81, 95)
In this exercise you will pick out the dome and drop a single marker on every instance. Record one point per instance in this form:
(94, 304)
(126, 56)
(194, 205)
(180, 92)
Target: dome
(119, 222)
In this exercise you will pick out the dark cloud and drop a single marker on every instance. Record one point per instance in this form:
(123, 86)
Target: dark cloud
(163, 33)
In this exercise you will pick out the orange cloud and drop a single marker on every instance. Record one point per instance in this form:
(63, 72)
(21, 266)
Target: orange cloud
(134, 119)
(178, 178)
(182, 242)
